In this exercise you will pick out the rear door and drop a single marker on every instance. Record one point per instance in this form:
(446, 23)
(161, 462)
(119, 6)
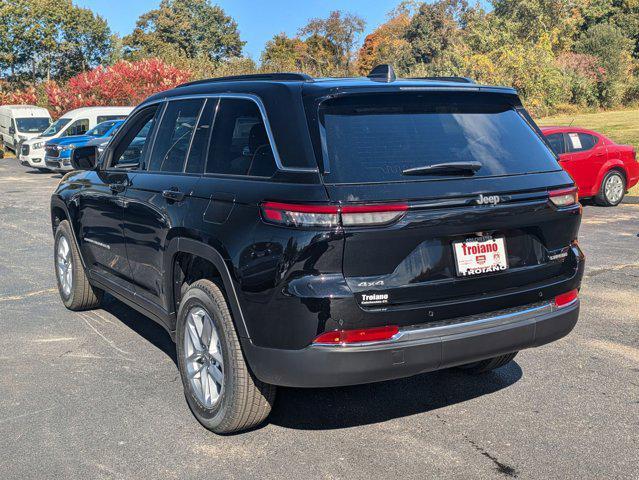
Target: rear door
(159, 197)
(500, 215)
(584, 157)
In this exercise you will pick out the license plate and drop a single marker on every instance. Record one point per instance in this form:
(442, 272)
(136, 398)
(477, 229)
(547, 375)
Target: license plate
(475, 256)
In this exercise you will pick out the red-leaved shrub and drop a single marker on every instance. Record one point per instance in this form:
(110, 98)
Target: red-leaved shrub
(27, 96)
(124, 83)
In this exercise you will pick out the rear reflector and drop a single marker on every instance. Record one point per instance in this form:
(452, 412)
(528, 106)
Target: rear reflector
(566, 298)
(328, 216)
(564, 197)
(376, 334)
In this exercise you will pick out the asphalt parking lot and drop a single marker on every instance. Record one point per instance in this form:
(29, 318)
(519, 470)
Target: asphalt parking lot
(97, 394)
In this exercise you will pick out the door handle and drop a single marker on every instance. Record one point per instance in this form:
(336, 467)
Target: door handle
(117, 187)
(173, 195)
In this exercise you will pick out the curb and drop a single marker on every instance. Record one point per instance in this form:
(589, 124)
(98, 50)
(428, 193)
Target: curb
(631, 199)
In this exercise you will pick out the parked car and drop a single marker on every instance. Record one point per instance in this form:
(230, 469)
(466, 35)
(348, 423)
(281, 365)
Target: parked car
(19, 123)
(58, 151)
(308, 232)
(75, 122)
(601, 168)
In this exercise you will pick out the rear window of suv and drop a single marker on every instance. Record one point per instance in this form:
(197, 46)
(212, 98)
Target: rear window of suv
(374, 138)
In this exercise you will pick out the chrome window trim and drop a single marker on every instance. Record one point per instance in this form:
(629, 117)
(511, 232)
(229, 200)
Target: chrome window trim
(242, 96)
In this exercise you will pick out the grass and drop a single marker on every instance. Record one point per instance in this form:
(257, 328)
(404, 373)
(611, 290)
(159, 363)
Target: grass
(621, 126)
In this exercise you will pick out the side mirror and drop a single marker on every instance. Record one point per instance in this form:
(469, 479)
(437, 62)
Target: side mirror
(84, 158)
(12, 130)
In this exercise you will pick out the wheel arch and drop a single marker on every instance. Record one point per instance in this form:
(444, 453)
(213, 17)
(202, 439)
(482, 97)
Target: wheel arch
(610, 165)
(60, 212)
(183, 245)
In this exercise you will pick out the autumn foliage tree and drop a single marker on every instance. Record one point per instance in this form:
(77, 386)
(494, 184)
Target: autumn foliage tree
(324, 46)
(387, 44)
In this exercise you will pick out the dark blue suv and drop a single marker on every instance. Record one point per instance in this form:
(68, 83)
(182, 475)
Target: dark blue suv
(308, 232)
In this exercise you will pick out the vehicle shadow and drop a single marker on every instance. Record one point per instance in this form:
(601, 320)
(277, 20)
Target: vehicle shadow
(140, 324)
(34, 171)
(344, 407)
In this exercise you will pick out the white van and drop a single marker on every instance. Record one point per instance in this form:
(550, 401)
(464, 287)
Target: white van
(19, 123)
(75, 122)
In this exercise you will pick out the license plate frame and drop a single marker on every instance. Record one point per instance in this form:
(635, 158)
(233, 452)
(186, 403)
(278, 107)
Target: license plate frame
(493, 245)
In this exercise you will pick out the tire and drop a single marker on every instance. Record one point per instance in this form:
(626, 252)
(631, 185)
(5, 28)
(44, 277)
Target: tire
(75, 290)
(612, 190)
(240, 401)
(488, 365)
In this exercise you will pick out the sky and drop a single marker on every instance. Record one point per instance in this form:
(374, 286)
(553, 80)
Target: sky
(257, 20)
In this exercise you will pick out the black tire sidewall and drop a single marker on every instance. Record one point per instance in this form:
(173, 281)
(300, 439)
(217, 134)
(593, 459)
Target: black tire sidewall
(603, 187)
(63, 231)
(212, 417)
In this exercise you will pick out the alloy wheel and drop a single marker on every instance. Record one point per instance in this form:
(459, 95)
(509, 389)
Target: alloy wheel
(64, 265)
(203, 357)
(614, 189)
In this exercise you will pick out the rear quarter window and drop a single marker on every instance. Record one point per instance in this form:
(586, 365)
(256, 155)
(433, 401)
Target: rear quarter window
(369, 138)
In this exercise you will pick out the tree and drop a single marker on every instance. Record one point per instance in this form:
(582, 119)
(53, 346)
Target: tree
(324, 46)
(435, 28)
(387, 44)
(331, 41)
(283, 54)
(557, 19)
(612, 48)
(191, 28)
(624, 14)
(44, 38)
(87, 42)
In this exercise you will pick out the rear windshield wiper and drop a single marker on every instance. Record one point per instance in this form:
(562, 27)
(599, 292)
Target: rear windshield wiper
(450, 168)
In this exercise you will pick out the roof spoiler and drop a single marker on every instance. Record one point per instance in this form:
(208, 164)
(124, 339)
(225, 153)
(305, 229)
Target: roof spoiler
(446, 79)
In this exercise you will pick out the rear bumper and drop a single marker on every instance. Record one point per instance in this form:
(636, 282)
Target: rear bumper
(415, 350)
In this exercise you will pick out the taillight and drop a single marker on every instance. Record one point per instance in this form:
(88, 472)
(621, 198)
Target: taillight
(372, 214)
(566, 299)
(328, 216)
(564, 197)
(301, 215)
(376, 334)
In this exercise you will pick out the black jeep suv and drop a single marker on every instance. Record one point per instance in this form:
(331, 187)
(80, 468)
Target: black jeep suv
(308, 232)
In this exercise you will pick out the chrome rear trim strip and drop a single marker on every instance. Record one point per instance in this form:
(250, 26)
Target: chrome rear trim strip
(419, 333)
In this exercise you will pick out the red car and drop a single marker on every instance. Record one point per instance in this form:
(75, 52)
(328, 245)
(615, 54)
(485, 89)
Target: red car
(600, 168)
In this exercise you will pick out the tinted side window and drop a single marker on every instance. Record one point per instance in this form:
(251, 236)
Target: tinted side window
(580, 142)
(556, 141)
(132, 146)
(200, 144)
(174, 135)
(78, 127)
(240, 144)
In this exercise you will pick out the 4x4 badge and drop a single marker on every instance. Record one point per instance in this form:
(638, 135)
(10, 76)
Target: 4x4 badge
(488, 200)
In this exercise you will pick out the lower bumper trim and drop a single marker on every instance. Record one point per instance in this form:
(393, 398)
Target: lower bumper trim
(324, 366)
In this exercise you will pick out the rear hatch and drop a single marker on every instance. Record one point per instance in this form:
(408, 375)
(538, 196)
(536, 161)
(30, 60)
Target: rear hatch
(479, 227)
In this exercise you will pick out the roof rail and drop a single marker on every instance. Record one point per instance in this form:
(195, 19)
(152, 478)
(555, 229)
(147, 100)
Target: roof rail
(446, 79)
(281, 77)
